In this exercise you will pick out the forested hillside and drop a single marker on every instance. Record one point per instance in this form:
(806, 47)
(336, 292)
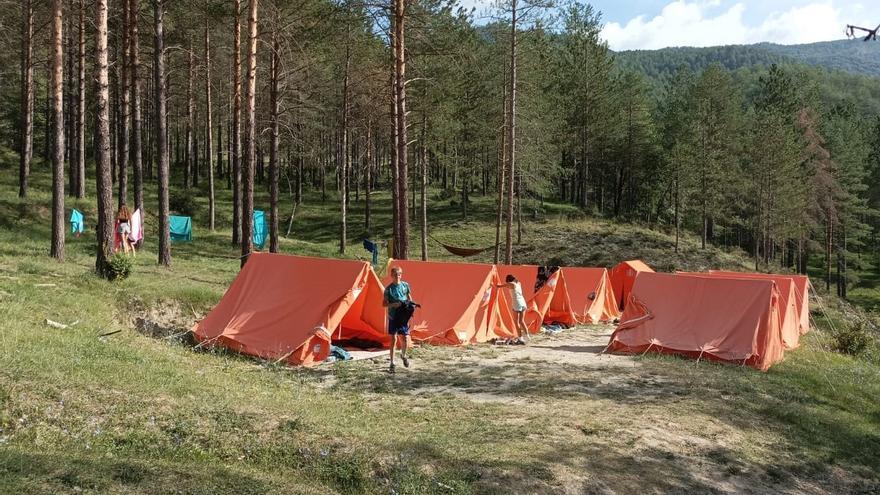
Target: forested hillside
(852, 56)
(346, 98)
(841, 55)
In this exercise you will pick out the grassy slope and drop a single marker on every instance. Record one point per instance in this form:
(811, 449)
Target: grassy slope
(133, 414)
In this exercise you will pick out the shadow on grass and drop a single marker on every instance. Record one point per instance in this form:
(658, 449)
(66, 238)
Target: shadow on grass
(74, 473)
(821, 424)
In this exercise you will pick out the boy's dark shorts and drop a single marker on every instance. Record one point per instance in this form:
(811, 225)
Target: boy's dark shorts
(397, 329)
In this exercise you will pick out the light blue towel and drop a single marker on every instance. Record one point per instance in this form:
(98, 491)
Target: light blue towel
(77, 222)
(180, 227)
(260, 229)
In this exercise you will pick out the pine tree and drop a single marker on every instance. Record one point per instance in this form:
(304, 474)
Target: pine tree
(103, 176)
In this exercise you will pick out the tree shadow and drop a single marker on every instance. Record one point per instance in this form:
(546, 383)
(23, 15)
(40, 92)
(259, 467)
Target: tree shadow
(73, 472)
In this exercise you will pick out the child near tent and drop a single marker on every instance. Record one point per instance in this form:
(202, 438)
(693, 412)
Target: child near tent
(397, 296)
(123, 227)
(518, 304)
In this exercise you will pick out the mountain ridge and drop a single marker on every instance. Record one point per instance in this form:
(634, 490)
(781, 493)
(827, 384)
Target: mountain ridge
(851, 56)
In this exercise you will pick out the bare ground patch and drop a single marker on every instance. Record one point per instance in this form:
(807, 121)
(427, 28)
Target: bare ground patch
(590, 422)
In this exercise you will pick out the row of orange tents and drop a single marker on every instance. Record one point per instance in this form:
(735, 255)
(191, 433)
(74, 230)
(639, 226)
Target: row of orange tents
(292, 308)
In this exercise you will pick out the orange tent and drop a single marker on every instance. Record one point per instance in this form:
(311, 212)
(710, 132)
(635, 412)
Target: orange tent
(460, 303)
(581, 283)
(290, 308)
(551, 302)
(622, 277)
(727, 319)
(789, 324)
(801, 284)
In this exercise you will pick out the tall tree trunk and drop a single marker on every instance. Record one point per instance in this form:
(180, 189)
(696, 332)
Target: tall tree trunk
(57, 83)
(829, 236)
(27, 101)
(161, 130)
(103, 179)
(502, 170)
(137, 150)
(676, 202)
(114, 114)
(511, 139)
(236, 125)
(842, 278)
(70, 115)
(81, 104)
(247, 188)
(368, 176)
(519, 186)
(395, 138)
(402, 242)
(346, 156)
(209, 137)
(424, 189)
(188, 166)
(47, 111)
(124, 153)
(300, 164)
(275, 74)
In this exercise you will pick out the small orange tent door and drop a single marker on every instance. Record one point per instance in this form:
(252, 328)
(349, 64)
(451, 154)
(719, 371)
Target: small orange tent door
(581, 283)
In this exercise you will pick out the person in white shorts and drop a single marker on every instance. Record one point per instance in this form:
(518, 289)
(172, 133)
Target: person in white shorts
(518, 304)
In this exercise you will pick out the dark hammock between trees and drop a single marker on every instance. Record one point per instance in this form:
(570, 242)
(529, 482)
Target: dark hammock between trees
(460, 251)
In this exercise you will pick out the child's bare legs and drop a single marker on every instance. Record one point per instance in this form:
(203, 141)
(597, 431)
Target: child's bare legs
(393, 345)
(404, 346)
(521, 327)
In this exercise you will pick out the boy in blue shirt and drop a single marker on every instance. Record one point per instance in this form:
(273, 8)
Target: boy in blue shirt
(397, 294)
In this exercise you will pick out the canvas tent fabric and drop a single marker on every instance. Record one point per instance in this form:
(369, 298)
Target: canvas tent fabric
(727, 319)
(622, 277)
(180, 228)
(292, 308)
(580, 283)
(260, 229)
(801, 285)
(459, 302)
(789, 316)
(77, 222)
(550, 303)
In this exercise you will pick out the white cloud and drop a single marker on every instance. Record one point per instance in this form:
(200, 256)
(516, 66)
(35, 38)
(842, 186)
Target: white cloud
(700, 23)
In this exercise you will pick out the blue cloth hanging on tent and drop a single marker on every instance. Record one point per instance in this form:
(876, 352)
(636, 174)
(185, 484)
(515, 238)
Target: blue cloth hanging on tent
(373, 248)
(77, 222)
(180, 228)
(259, 229)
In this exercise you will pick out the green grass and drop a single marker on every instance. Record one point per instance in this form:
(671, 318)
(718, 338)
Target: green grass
(130, 413)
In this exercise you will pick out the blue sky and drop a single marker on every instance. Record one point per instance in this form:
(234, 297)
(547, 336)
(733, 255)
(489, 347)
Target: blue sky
(651, 24)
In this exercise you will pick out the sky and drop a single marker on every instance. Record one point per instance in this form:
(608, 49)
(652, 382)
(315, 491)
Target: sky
(652, 24)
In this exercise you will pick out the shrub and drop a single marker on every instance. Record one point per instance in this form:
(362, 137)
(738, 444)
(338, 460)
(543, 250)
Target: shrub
(183, 203)
(851, 339)
(120, 267)
(447, 193)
